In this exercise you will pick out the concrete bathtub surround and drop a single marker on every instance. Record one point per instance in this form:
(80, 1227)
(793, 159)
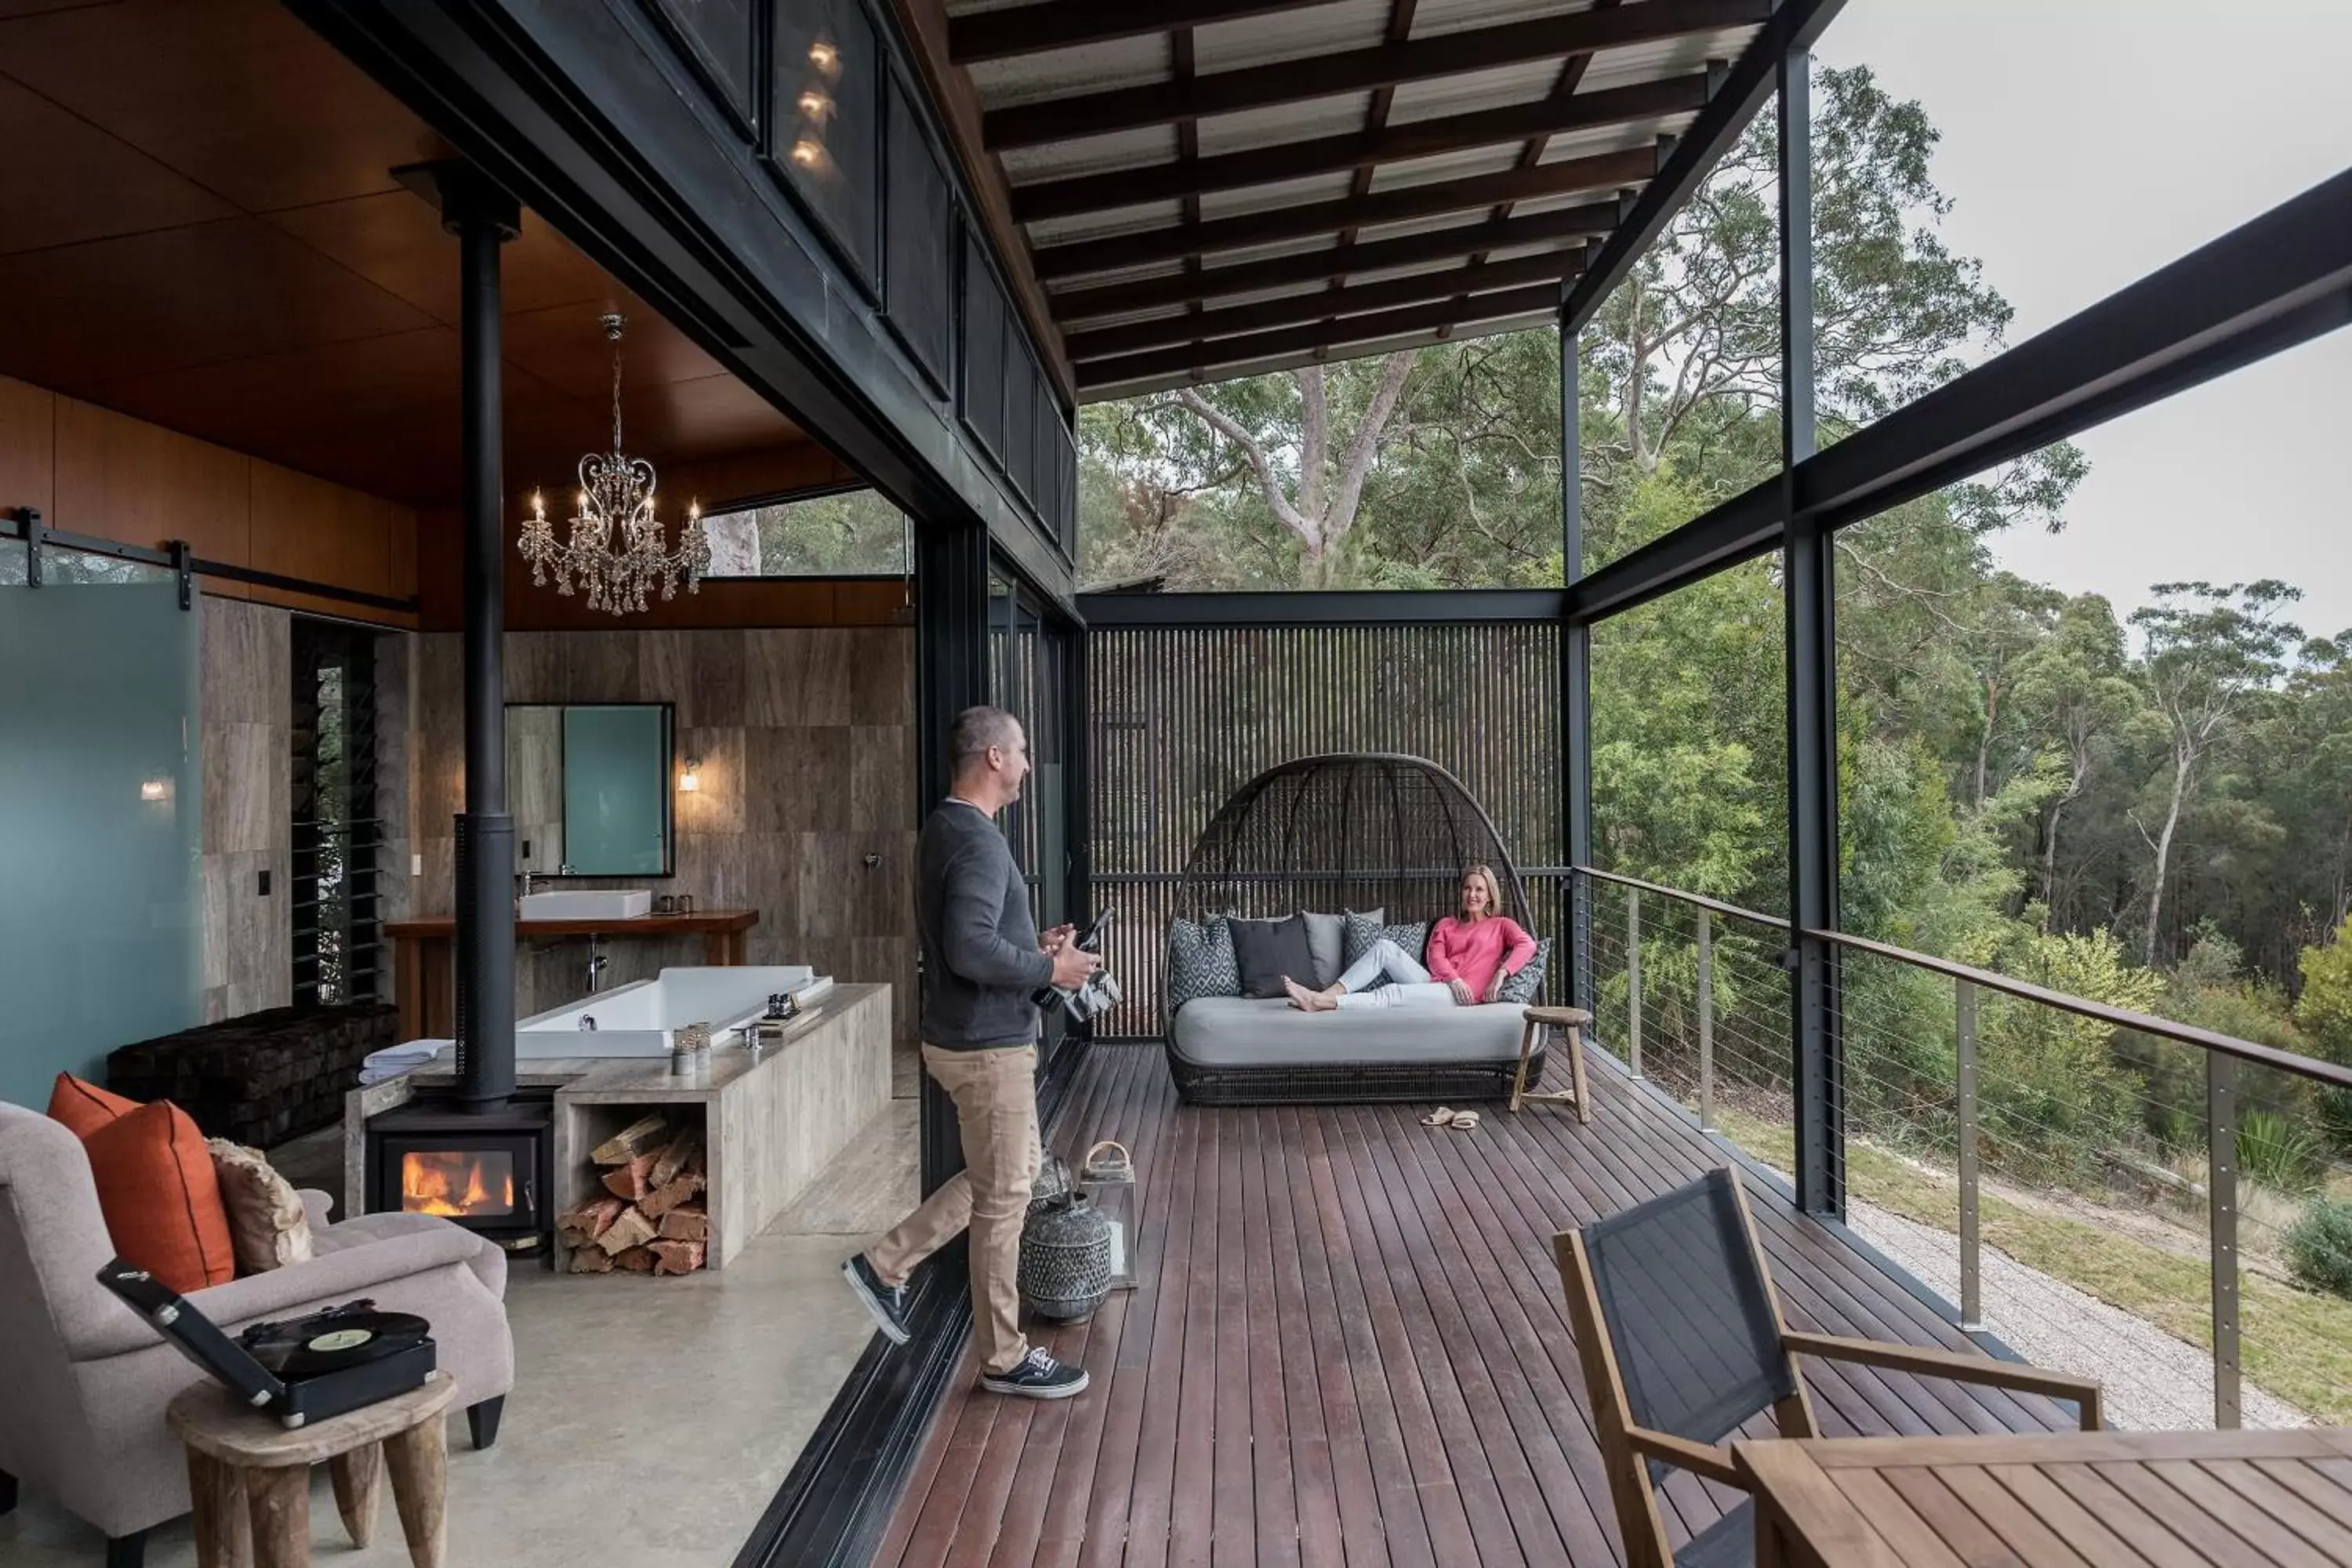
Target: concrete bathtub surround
(640, 1018)
(773, 1121)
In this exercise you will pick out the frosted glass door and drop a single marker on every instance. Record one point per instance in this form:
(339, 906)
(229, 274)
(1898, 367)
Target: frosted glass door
(100, 884)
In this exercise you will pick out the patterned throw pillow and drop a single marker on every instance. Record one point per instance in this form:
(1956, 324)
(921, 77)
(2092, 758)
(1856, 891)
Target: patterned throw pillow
(1525, 987)
(1201, 961)
(1412, 936)
(1358, 929)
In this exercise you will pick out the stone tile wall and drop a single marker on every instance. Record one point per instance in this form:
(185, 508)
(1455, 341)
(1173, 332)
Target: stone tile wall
(245, 706)
(808, 768)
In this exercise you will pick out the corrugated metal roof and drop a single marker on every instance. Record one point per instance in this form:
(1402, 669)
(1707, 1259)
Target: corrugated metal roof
(1319, 40)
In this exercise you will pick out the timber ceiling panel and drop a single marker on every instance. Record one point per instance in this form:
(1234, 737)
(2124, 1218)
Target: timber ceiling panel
(1209, 188)
(201, 231)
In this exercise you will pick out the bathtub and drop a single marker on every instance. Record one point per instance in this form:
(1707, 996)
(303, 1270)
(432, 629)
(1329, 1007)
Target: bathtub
(637, 1019)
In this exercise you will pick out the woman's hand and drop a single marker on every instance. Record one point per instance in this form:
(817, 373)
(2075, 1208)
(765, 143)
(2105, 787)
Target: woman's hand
(1495, 987)
(1461, 996)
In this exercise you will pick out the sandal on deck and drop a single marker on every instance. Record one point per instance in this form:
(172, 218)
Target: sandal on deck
(1440, 1117)
(1463, 1121)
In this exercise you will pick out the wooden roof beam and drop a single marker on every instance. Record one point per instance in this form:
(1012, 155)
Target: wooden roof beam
(1371, 255)
(1544, 118)
(1071, 23)
(1105, 342)
(1536, 299)
(1359, 70)
(1434, 199)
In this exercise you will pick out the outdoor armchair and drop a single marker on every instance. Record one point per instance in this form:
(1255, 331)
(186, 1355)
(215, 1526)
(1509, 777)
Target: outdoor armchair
(1682, 1340)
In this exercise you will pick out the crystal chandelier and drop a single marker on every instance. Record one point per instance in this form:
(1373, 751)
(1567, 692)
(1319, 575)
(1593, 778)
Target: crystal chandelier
(616, 495)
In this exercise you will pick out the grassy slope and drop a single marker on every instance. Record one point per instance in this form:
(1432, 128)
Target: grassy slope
(2292, 1343)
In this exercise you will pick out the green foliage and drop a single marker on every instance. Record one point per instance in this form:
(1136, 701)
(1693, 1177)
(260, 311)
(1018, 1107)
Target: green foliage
(2280, 1150)
(850, 533)
(2325, 1009)
(2319, 1246)
(2054, 1096)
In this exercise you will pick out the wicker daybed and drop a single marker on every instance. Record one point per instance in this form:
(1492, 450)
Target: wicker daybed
(1348, 831)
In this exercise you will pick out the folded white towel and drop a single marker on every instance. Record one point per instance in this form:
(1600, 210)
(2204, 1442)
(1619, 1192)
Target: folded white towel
(394, 1060)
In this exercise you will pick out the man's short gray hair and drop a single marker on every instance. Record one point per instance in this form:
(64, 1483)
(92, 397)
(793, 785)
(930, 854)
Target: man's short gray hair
(976, 730)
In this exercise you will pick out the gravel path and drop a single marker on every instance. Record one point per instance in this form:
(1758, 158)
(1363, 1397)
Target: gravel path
(2151, 1380)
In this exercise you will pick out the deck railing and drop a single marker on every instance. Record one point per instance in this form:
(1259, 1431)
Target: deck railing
(2076, 1110)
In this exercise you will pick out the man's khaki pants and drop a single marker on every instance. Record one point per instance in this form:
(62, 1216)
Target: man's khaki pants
(996, 1095)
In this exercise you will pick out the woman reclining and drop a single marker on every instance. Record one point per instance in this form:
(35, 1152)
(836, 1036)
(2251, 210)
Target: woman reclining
(1470, 956)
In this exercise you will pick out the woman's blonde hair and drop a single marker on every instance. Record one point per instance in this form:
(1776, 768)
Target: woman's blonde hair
(1485, 874)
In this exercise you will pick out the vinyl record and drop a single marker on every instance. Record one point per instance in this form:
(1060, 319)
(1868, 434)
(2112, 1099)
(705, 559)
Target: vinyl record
(331, 1340)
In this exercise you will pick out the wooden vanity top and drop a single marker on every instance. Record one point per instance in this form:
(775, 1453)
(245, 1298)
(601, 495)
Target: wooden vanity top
(702, 923)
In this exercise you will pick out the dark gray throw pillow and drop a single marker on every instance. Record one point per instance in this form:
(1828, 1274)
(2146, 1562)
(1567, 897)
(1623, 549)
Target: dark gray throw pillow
(1268, 949)
(1358, 929)
(1201, 961)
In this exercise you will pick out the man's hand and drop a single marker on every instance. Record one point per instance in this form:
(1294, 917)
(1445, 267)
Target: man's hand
(1072, 965)
(1053, 940)
(1461, 989)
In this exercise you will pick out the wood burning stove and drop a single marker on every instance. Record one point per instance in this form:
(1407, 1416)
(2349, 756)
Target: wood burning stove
(490, 1169)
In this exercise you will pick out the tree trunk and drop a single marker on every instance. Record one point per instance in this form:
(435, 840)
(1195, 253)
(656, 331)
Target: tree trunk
(734, 544)
(1984, 737)
(2182, 762)
(2050, 866)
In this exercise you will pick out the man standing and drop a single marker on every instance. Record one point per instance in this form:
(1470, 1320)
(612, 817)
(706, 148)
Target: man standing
(981, 960)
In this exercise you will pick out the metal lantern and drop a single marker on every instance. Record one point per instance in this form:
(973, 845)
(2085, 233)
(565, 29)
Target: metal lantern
(1107, 1175)
(1065, 1259)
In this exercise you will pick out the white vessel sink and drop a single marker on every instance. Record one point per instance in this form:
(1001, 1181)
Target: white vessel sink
(637, 1019)
(584, 904)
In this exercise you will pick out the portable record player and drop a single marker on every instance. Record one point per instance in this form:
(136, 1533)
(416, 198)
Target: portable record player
(301, 1370)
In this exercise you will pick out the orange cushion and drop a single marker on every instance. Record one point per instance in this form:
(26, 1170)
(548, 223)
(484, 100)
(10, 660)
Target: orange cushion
(85, 1106)
(160, 1197)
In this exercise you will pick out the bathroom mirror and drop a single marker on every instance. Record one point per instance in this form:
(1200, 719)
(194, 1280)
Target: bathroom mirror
(589, 786)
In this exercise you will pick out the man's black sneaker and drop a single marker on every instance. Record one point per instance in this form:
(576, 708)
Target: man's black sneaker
(1037, 1377)
(887, 1302)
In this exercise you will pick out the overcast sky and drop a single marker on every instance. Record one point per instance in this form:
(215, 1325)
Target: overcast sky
(2088, 143)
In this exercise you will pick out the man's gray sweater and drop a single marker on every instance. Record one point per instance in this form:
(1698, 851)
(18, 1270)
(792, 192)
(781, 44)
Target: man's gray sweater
(981, 960)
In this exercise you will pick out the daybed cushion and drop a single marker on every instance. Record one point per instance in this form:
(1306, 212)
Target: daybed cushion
(1245, 1032)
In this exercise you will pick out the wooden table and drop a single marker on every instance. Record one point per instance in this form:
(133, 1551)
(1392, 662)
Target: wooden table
(243, 1463)
(426, 950)
(2106, 1500)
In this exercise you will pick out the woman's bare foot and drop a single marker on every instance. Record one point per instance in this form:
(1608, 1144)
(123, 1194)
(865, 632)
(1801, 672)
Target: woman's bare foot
(1308, 1001)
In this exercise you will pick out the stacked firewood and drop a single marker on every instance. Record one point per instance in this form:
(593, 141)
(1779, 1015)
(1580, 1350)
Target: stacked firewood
(648, 1222)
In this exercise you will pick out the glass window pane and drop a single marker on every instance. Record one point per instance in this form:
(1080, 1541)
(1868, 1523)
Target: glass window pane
(854, 533)
(828, 134)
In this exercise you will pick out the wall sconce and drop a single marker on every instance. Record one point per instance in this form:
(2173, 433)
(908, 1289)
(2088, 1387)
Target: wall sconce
(690, 779)
(808, 154)
(825, 57)
(815, 105)
(155, 789)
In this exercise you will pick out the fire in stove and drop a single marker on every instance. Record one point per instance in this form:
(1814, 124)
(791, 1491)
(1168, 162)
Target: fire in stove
(457, 1183)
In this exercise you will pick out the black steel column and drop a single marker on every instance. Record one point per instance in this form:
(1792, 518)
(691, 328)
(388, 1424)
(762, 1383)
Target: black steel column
(1575, 678)
(483, 218)
(951, 675)
(1809, 579)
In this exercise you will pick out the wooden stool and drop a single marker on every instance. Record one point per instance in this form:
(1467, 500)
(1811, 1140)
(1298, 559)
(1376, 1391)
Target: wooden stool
(1571, 1020)
(241, 1462)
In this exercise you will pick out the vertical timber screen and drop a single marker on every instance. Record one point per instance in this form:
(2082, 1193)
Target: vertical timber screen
(1181, 716)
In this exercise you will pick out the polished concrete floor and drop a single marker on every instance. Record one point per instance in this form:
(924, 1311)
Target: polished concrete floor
(652, 1419)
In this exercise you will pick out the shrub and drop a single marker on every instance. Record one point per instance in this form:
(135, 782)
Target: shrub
(2319, 1246)
(2279, 1152)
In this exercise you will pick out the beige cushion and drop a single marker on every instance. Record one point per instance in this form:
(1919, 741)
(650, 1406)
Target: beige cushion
(266, 1222)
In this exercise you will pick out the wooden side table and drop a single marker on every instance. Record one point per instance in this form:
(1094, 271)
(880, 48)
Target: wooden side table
(243, 1465)
(1570, 1022)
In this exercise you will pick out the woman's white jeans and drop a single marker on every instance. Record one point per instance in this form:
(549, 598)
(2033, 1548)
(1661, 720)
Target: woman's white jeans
(1385, 960)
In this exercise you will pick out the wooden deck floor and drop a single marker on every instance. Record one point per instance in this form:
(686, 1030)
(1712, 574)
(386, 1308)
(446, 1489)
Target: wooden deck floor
(1348, 1346)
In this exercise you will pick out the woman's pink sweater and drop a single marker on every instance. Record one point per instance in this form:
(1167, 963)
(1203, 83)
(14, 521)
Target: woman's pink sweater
(1472, 954)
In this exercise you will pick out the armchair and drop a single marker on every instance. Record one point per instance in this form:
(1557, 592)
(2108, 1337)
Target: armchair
(88, 1380)
(1682, 1340)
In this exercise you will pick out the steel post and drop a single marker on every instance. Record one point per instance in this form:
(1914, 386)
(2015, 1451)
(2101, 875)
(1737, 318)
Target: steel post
(2221, 1227)
(1706, 1017)
(1575, 684)
(1633, 980)
(1964, 1008)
